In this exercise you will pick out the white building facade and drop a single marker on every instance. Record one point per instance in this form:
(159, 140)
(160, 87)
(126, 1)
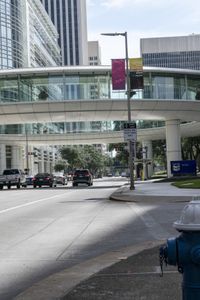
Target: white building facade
(70, 20)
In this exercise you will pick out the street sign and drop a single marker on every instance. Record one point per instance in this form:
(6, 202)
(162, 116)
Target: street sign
(130, 132)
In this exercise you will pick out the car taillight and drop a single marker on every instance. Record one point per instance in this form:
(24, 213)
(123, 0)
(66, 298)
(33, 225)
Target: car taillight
(47, 178)
(33, 179)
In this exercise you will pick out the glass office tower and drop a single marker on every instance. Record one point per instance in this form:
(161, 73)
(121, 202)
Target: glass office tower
(28, 38)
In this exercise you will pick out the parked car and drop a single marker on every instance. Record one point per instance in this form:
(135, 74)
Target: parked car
(60, 178)
(41, 179)
(82, 176)
(29, 179)
(12, 177)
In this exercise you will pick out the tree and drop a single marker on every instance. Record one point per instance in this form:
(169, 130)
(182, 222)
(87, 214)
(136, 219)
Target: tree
(86, 157)
(60, 165)
(159, 152)
(72, 156)
(191, 149)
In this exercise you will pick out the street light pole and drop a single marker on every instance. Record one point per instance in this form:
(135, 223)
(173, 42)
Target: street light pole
(27, 162)
(131, 168)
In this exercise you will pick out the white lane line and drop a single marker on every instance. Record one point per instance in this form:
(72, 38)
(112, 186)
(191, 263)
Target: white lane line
(30, 203)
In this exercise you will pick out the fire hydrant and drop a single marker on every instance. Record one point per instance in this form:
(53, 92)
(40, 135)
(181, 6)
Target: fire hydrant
(184, 251)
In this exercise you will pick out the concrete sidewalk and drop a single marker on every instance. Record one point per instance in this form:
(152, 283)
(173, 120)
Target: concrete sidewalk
(137, 277)
(134, 278)
(134, 275)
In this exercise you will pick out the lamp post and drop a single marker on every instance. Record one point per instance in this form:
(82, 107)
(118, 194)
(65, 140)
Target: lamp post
(27, 161)
(131, 168)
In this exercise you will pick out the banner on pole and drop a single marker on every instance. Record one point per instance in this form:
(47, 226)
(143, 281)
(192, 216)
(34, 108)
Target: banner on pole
(136, 81)
(136, 73)
(136, 64)
(118, 74)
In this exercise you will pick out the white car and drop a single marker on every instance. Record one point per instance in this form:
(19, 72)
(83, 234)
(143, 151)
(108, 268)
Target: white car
(60, 178)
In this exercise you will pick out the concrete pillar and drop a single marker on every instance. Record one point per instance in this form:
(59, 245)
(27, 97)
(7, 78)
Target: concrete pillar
(147, 154)
(173, 143)
(17, 157)
(41, 162)
(2, 158)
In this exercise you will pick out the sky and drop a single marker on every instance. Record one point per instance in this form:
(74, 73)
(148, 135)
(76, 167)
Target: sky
(141, 19)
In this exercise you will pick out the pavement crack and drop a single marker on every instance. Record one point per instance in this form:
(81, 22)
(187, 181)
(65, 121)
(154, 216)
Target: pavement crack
(34, 234)
(82, 231)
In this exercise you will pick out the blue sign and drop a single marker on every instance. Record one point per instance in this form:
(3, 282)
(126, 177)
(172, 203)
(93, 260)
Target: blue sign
(183, 167)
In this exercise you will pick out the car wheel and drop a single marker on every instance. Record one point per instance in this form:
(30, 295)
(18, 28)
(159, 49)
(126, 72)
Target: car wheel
(9, 186)
(51, 185)
(34, 186)
(1, 187)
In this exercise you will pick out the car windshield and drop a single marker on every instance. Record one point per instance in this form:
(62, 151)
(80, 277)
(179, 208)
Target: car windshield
(11, 172)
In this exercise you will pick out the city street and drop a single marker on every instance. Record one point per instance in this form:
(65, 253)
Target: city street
(45, 230)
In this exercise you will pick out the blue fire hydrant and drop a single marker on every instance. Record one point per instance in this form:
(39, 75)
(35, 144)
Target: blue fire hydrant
(184, 251)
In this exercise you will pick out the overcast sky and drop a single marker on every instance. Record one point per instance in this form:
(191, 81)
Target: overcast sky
(141, 19)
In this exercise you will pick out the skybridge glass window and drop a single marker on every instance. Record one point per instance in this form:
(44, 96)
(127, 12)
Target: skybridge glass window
(168, 86)
(47, 88)
(193, 87)
(9, 91)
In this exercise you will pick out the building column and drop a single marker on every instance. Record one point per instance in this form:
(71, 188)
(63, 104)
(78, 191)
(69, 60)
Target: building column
(173, 143)
(2, 158)
(17, 157)
(147, 154)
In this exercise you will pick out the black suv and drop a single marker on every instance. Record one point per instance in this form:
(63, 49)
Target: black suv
(44, 179)
(82, 176)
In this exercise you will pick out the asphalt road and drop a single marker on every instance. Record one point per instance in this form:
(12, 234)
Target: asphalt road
(43, 231)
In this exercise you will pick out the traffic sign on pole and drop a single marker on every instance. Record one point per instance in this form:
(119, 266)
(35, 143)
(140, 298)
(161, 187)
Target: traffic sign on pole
(130, 132)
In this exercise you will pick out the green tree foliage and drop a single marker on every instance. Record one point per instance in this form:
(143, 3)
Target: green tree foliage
(191, 149)
(61, 165)
(159, 152)
(72, 156)
(86, 157)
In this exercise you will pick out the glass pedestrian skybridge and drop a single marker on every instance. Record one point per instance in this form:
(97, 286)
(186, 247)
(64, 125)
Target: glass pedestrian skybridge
(93, 83)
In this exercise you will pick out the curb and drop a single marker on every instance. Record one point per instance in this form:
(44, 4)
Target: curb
(123, 194)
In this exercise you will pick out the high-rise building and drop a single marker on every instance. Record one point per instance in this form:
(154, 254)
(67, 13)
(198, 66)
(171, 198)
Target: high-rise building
(94, 53)
(172, 52)
(69, 17)
(28, 38)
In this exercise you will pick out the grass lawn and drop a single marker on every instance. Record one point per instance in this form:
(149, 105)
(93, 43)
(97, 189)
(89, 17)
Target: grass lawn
(187, 183)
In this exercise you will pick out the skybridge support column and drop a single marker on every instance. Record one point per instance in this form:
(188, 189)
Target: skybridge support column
(16, 157)
(2, 158)
(147, 155)
(173, 143)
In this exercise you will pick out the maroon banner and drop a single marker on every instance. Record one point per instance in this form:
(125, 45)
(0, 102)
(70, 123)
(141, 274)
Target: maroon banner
(118, 74)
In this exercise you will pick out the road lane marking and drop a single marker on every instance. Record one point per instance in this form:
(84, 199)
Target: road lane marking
(30, 203)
